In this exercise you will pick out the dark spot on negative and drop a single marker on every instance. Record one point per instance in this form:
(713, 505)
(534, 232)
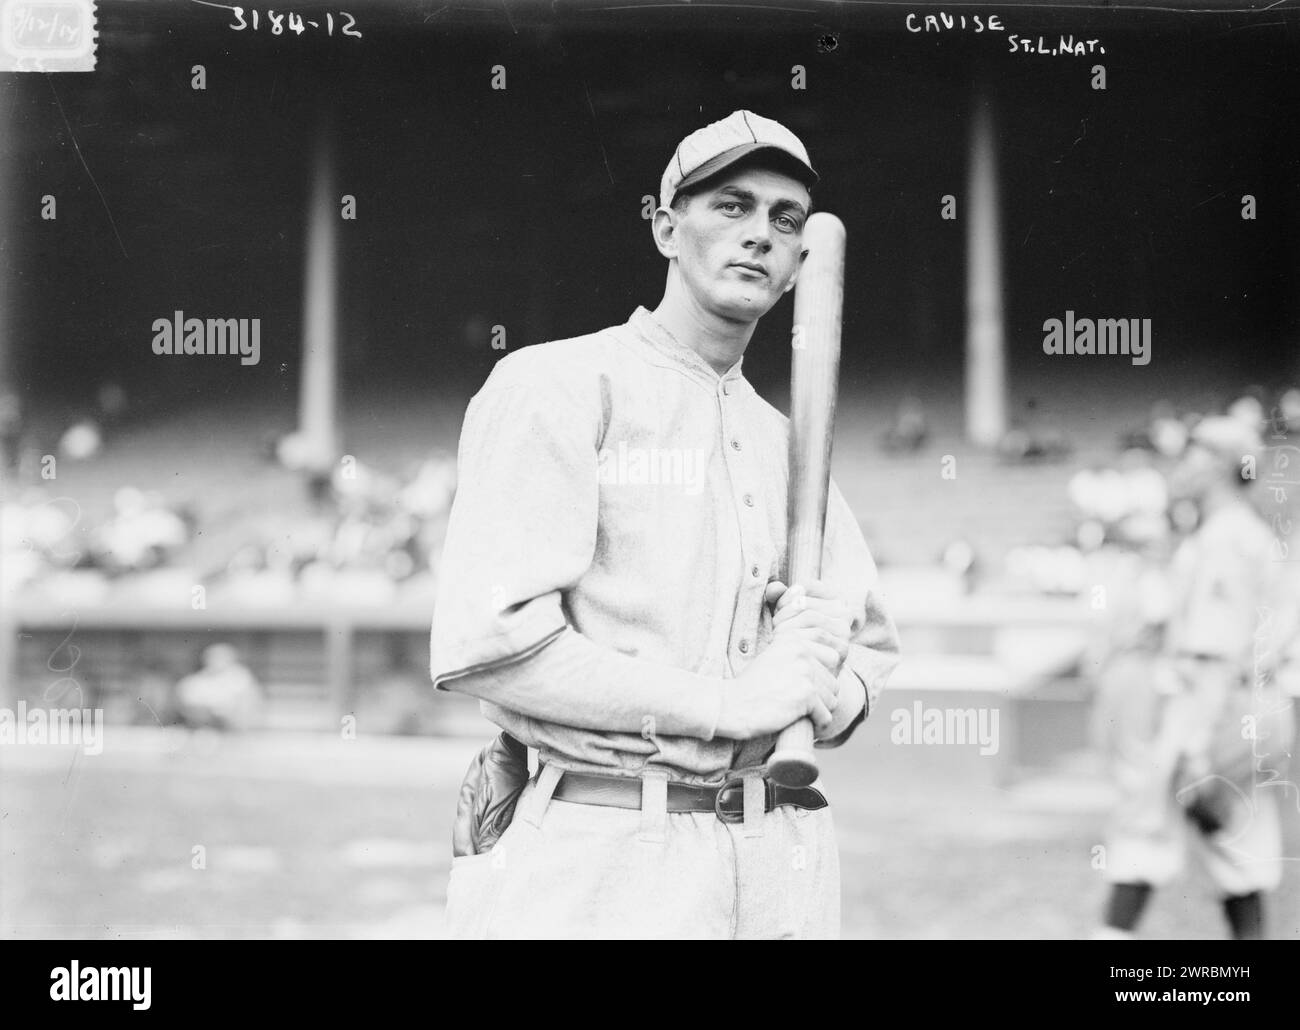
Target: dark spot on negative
(827, 43)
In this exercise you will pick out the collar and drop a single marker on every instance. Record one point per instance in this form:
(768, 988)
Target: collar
(651, 332)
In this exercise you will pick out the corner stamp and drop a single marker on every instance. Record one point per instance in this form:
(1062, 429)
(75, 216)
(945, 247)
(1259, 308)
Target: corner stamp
(49, 36)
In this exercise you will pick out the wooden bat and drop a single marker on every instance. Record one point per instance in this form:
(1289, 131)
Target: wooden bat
(814, 382)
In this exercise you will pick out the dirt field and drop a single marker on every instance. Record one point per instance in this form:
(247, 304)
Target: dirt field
(170, 835)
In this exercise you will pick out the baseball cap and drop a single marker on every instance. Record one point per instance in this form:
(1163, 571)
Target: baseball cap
(1229, 439)
(709, 150)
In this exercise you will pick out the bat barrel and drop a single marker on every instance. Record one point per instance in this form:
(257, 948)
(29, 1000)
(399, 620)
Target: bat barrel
(814, 381)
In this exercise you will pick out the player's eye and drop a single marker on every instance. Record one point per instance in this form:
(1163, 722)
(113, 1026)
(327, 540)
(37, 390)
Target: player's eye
(735, 205)
(786, 224)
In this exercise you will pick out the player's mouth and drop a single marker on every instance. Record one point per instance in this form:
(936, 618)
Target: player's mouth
(750, 266)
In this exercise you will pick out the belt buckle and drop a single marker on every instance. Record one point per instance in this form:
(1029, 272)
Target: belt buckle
(735, 785)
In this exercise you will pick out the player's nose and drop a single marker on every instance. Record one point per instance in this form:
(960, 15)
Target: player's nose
(758, 234)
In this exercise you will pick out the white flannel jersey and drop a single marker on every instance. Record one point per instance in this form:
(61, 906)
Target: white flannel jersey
(620, 510)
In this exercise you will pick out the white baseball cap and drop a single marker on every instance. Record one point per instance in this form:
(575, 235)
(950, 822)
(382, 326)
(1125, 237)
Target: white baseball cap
(1229, 439)
(709, 150)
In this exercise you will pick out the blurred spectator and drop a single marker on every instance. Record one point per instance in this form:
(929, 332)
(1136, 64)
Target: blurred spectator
(959, 559)
(1288, 408)
(11, 429)
(1248, 410)
(84, 439)
(1025, 445)
(144, 533)
(38, 535)
(1036, 437)
(81, 441)
(222, 695)
(398, 699)
(1126, 504)
(1165, 433)
(1048, 570)
(371, 542)
(112, 402)
(910, 429)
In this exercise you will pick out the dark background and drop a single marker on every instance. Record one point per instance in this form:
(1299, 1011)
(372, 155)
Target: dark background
(523, 207)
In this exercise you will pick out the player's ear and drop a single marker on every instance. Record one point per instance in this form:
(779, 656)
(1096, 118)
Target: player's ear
(794, 276)
(664, 228)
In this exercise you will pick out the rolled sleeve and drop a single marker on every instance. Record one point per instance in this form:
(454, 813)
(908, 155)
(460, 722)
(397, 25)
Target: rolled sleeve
(522, 533)
(522, 528)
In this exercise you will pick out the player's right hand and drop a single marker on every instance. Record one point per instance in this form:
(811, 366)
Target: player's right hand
(787, 681)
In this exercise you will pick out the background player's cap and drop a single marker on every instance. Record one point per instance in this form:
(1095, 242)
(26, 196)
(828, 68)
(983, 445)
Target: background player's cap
(1227, 438)
(709, 150)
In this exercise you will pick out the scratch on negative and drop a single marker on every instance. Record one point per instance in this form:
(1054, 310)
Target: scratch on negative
(592, 109)
(77, 147)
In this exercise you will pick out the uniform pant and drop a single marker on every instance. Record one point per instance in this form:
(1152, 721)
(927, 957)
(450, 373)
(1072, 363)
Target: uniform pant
(565, 870)
(1150, 836)
(1241, 859)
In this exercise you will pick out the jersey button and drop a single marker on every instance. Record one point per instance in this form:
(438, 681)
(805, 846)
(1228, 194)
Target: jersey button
(753, 571)
(735, 445)
(744, 647)
(749, 500)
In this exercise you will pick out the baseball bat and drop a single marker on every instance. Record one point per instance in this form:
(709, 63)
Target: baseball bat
(814, 382)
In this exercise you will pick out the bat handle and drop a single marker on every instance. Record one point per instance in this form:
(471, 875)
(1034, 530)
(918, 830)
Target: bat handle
(792, 763)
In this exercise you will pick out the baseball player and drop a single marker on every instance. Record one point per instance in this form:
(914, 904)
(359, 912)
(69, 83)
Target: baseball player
(1210, 777)
(610, 591)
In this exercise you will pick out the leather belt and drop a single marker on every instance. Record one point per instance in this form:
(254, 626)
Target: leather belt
(727, 801)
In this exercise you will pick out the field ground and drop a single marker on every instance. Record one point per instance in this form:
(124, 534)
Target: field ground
(308, 836)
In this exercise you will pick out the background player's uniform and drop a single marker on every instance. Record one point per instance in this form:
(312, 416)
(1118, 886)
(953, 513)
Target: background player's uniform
(620, 512)
(1223, 727)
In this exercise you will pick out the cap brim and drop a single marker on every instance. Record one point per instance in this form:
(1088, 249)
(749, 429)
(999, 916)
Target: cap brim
(778, 158)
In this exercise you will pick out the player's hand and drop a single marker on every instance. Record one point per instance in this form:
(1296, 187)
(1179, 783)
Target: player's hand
(816, 609)
(790, 679)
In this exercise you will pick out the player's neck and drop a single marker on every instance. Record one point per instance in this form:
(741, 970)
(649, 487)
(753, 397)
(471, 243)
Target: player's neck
(721, 343)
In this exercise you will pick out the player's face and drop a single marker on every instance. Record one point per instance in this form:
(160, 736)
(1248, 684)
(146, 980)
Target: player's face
(740, 242)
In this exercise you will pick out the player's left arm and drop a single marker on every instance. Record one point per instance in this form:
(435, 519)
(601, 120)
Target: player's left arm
(846, 604)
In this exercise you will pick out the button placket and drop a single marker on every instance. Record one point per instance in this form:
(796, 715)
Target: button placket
(744, 628)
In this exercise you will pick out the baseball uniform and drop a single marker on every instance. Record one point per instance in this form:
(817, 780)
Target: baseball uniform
(620, 511)
(1228, 646)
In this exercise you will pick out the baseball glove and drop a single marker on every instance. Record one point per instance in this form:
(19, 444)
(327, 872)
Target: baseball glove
(1208, 799)
(488, 795)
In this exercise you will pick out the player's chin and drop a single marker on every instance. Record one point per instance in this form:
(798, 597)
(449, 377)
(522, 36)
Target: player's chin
(745, 302)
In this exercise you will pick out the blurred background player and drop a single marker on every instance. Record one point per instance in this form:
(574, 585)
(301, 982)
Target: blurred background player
(1199, 737)
(222, 695)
